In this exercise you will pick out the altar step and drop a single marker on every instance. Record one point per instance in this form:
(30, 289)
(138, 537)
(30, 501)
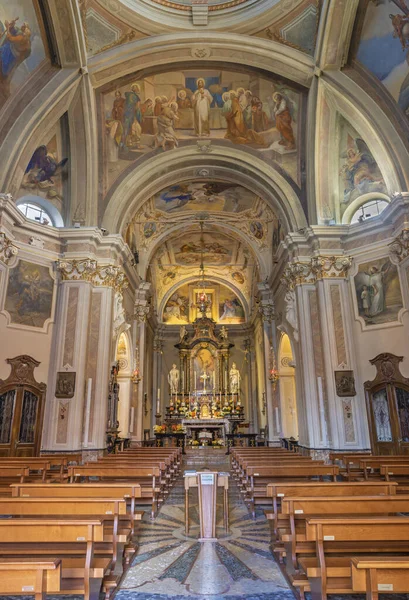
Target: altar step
(207, 457)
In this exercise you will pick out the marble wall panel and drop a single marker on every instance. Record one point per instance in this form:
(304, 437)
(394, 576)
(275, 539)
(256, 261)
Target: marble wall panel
(338, 324)
(62, 422)
(92, 359)
(70, 327)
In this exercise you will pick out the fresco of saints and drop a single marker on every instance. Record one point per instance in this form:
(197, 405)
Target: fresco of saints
(360, 171)
(283, 120)
(15, 47)
(202, 100)
(132, 117)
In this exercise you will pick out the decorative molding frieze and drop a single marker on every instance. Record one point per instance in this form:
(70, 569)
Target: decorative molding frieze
(267, 310)
(7, 249)
(89, 270)
(399, 248)
(316, 269)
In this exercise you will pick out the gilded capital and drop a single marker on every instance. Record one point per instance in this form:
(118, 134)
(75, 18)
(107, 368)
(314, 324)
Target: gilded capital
(7, 249)
(317, 268)
(141, 312)
(98, 275)
(399, 248)
(330, 266)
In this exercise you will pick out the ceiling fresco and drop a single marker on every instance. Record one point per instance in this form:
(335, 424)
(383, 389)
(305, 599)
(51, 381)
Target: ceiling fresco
(22, 47)
(209, 196)
(237, 226)
(109, 23)
(384, 47)
(163, 111)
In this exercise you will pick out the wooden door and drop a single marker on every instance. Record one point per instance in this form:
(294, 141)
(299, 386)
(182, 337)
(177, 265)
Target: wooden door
(21, 410)
(20, 422)
(388, 407)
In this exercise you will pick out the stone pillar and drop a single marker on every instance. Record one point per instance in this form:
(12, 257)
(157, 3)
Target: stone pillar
(266, 309)
(142, 309)
(156, 378)
(251, 392)
(335, 417)
(81, 345)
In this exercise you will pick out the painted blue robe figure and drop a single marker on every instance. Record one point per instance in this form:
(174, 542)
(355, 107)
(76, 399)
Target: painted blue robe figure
(132, 117)
(15, 47)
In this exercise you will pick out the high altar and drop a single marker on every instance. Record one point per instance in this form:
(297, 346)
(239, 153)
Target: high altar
(205, 390)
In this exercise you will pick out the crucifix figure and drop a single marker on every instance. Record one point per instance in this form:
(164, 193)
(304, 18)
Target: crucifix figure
(204, 376)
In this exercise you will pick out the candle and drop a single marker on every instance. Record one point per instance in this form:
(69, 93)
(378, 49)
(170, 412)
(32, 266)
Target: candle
(132, 418)
(159, 394)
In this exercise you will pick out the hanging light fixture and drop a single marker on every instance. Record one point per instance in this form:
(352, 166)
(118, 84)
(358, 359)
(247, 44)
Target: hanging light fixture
(204, 303)
(273, 373)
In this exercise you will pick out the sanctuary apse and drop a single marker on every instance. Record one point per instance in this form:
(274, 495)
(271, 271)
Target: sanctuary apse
(253, 152)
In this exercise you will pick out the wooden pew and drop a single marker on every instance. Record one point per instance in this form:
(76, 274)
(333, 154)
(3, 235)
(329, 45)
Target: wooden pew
(57, 463)
(147, 477)
(30, 576)
(74, 541)
(12, 474)
(349, 537)
(114, 491)
(117, 523)
(291, 530)
(373, 574)
(279, 490)
(260, 477)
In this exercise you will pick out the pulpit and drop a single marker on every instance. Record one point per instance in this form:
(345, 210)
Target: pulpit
(207, 483)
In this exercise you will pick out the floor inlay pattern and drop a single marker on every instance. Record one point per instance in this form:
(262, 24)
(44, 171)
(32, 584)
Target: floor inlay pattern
(238, 566)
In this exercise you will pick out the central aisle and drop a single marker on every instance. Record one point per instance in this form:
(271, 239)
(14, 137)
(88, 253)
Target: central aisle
(171, 565)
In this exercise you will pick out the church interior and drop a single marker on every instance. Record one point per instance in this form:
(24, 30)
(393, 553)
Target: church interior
(263, 359)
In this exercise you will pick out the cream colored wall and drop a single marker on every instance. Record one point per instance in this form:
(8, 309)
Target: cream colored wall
(14, 342)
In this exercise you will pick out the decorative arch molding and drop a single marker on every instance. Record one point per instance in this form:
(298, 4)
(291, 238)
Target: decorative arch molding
(32, 125)
(202, 49)
(263, 261)
(245, 167)
(212, 278)
(344, 97)
(154, 17)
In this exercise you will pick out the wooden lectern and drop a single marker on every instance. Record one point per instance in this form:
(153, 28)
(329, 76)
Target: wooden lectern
(207, 483)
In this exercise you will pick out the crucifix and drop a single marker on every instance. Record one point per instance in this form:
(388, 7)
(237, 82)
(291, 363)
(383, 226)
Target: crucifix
(204, 376)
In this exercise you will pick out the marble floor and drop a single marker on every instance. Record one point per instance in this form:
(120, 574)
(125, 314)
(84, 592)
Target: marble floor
(172, 565)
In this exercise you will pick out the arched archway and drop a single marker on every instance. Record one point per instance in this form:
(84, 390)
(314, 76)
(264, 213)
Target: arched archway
(288, 397)
(124, 358)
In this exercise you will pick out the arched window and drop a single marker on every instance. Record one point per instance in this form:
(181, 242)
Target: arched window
(370, 209)
(40, 210)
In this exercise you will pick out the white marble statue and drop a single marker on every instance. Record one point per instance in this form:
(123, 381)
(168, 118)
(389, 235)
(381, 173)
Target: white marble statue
(291, 311)
(234, 379)
(173, 379)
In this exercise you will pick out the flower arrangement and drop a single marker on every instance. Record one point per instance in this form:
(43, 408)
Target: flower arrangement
(218, 442)
(226, 410)
(193, 442)
(159, 428)
(178, 428)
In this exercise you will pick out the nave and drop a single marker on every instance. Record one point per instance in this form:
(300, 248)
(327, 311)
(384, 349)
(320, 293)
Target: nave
(362, 497)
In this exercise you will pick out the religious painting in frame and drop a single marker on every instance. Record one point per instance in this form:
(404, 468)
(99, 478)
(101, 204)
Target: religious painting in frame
(65, 384)
(30, 295)
(377, 293)
(345, 383)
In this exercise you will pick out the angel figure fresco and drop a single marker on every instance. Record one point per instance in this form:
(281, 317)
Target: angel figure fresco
(371, 287)
(360, 171)
(43, 170)
(15, 48)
